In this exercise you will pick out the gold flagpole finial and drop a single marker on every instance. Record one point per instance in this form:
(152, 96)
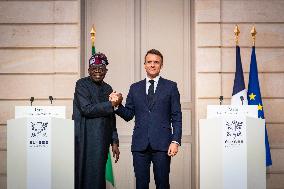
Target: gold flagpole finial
(93, 35)
(237, 32)
(253, 35)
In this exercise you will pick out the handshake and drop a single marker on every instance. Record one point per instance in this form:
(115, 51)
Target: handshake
(115, 98)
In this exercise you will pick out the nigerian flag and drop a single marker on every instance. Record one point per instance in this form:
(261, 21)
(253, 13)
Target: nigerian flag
(109, 173)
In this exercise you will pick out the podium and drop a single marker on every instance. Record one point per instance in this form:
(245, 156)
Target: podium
(40, 149)
(232, 148)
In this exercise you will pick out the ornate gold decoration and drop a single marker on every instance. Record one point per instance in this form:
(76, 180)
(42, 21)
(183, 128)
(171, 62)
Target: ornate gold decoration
(253, 35)
(237, 32)
(93, 35)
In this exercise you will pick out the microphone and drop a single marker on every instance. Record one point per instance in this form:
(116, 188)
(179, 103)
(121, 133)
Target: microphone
(221, 98)
(242, 99)
(51, 99)
(32, 99)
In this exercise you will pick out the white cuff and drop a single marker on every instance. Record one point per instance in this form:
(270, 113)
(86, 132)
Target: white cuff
(175, 142)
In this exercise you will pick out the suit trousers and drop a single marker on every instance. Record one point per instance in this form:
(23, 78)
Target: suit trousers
(161, 168)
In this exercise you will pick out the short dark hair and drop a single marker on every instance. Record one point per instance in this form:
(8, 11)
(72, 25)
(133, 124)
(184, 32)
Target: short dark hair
(154, 51)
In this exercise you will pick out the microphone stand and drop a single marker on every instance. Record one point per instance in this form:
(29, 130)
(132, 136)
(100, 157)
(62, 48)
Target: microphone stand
(242, 99)
(51, 99)
(221, 98)
(32, 99)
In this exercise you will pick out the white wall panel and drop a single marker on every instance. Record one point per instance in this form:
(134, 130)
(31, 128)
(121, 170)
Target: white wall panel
(39, 35)
(165, 26)
(51, 60)
(39, 86)
(45, 11)
(252, 11)
(114, 23)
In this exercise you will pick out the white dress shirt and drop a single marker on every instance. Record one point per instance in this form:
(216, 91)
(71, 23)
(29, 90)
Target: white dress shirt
(156, 80)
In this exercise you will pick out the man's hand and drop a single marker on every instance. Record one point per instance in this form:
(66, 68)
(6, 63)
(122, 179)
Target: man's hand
(173, 149)
(115, 98)
(115, 152)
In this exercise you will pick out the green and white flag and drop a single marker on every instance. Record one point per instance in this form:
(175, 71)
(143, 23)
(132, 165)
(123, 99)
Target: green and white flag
(109, 174)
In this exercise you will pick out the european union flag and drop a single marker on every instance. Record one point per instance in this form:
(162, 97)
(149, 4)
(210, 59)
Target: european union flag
(254, 98)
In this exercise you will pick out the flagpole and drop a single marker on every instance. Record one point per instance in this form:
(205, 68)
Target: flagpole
(109, 171)
(239, 94)
(237, 32)
(253, 35)
(93, 38)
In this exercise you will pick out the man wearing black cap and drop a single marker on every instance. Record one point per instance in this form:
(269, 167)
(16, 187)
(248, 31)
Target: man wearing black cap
(155, 103)
(95, 126)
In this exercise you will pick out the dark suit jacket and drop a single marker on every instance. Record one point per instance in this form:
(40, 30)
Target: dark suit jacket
(157, 124)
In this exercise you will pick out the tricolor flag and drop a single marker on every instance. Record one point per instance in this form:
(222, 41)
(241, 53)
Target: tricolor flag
(254, 98)
(109, 174)
(239, 95)
(93, 49)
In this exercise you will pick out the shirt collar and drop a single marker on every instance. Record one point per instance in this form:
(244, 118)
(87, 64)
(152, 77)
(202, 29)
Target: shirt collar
(156, 79)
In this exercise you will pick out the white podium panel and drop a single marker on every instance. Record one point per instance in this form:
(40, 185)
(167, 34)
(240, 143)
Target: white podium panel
(40, 111)
(231, 110)
(211, 150)
(40, 152)
(232, 153)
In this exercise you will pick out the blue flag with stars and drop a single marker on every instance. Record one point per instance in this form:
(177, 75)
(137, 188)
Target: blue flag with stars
(254, 98)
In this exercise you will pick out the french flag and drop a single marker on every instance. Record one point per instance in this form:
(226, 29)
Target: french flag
(239, 96)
